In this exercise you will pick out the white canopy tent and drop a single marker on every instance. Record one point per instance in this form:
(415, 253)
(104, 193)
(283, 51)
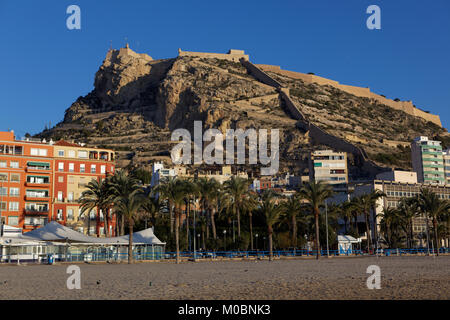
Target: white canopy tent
(54, 231)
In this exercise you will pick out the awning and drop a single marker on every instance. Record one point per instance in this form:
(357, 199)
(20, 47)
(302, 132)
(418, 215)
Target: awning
(38, 164)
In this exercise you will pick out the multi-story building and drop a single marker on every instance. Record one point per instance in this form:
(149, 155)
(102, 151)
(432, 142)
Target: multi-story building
(41, 182)
(427, 160)
(329, 166)
(446, 156)
(26, 182)
(74, 167)
(398, 185)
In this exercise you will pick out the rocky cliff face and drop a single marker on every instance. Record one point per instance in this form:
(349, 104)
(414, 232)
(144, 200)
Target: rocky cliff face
(138, 101)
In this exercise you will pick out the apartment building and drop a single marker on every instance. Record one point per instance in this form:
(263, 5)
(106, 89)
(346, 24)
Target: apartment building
(74, 167)
(427, 160)
(446, 156)
(329, 166)
(398, 185)
(41, 181)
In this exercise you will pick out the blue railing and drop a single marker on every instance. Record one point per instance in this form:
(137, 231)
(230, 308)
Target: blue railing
(298, 253)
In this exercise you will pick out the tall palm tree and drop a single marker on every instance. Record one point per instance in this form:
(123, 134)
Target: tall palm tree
(315, 194)
(346, 213)
(390, 226)
(271, 213)
(178, 195)
(237, 187)
(250, 203)
(166, 190)
(291, 211)
(408, 210)
(96, 197)
(129, 206)
(434, 208)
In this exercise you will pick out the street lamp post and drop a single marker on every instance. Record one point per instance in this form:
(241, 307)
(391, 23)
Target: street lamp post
(195, 252)
(225, 239)
(256, 236)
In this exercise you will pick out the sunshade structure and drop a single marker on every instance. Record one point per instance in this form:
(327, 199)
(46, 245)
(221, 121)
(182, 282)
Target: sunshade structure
(54, 231)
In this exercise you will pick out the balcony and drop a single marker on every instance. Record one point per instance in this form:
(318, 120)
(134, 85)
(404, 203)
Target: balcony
(37, 184)
(36, 212)
(37, 169)
(36, 198)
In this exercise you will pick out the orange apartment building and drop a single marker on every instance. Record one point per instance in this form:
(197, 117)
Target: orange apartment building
(42, 182)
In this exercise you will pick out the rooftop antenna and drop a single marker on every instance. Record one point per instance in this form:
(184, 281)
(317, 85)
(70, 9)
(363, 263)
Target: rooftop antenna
(110, 44)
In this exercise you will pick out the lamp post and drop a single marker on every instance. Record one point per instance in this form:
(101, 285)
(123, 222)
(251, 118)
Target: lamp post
(195, 252)
(256, 236)
(198, 238)
(225, 239)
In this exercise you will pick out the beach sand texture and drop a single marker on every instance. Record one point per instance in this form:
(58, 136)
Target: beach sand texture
(334, 278)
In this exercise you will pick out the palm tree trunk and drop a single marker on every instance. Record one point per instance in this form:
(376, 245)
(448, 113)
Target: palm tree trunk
(316, 216)
(369, 240)
(107, 223)
(213, 223)
(238, 221)
(294, 231)
(270, 231)
(251, 230)
(171, 217)
(130, 241)
(436, 238)
(177, 236)
(187, 224)
(122, 225)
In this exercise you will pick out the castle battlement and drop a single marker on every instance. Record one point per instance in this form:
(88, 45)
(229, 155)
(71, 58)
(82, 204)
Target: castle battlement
(231, 55)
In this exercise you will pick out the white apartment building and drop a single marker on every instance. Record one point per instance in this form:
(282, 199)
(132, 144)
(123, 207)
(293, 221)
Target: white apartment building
(427, 160)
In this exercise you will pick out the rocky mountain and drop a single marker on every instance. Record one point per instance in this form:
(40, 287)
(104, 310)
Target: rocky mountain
(138, 101)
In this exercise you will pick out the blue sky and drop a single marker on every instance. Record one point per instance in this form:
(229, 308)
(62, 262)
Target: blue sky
(45, 67)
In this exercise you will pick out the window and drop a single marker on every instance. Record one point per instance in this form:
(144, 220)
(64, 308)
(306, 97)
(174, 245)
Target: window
(103, 169)
(61, 166)
(71, 167)
(14, 164)
(60, 153)
(3, 177)
(70, 179)
(15, 177)
(3, 191)
(70, 214)
(34, 151)
(59, 215)
(13, 221)
(60, 196)
(38, 152)
(2, 164)
(13, 192)
(82, 154)
(3, 206)
(13, 206)
(93, 168)
(71, 154)
(70, 196)
(82, 167)
(60, 179)
(43, 152)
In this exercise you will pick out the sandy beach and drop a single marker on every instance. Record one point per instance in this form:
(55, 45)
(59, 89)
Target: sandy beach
(334, 278)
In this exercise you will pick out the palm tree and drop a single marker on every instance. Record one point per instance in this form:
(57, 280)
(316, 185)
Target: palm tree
(315, 193)
(408, 210)
(346, 213)
(129, 206)
(434, 208)
(165, 190)
(97, 197)
(178, 195)
(152, 207)
(292, 209)
(390, 226)
(271, 213)
(250, 203)
(236, 187)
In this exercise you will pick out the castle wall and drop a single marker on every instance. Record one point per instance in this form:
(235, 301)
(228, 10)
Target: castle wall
(232, 55)
(260, 75)
(406, 106)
